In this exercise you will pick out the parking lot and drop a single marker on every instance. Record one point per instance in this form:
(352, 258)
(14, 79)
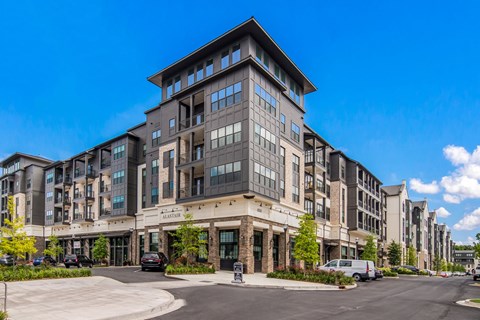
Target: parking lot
(130, 274)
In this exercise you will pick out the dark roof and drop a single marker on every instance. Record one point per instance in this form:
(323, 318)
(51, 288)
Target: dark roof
(421, 204)
(393, 190)
(340, 152)
(252, 27)
(24, 155)
(309, 131)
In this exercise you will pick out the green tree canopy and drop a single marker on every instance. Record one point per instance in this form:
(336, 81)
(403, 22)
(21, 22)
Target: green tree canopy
(437, 263)
(370, 251)
(14, 240)
(188, 241)
(411, 256)
(394, 253)
(53, 249)
(306, 247)
(100, 249)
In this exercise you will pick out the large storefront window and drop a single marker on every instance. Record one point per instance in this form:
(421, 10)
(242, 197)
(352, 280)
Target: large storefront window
(228, 248)
(275, 249)
(141, 241)
(293, 261)
(153, 242)
(203, 250)
(344, 253)
(257, 250)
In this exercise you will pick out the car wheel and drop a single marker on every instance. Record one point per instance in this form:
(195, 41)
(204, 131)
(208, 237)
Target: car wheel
(143, 269)
(80, 265)
(91, 265)
(357, 277)
(68, 267)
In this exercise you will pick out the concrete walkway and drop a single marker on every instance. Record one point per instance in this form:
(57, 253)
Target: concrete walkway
(85, 298)
(258, 280)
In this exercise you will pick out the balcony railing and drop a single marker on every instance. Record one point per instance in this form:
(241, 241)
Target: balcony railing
(195, 121)
(83, 216)
(105, 188)
(198, 154)
(198, 119)
(91, 173)
(78, 173)
(105, 212)
(105, 164)
(310, 157)
(197, 190)
(59, 217)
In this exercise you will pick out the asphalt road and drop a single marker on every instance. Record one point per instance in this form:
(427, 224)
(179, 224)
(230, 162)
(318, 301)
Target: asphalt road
(130, 274)
(392, 299)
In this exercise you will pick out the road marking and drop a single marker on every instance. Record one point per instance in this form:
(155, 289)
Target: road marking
(137, 270)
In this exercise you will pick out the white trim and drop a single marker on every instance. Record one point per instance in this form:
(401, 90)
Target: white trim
(260, 225)
(169, 228)
(153, 230)
(202, 225)
(233, 223)
(277, 229)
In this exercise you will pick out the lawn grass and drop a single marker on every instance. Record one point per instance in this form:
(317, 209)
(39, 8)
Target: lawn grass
(475, 300)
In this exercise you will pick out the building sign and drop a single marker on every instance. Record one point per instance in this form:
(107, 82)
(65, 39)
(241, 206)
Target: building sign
(76, 244)
(238, 273)
(171, 215)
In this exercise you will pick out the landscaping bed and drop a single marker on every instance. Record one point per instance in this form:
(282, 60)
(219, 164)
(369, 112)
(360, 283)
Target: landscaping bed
(22, 273)
(192, 269)
(317, 276)
(387, 272)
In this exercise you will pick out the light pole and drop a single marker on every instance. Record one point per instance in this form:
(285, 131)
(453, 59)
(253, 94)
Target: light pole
(356, 248)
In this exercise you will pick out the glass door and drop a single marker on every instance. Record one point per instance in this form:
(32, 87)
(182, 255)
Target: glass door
(257, 250)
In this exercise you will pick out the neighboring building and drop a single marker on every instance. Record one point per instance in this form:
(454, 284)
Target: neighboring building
(398, 207)
(420, 216)
(23, 179)
(466, 258)
(364, 205)
(93, 193)
(432, 238)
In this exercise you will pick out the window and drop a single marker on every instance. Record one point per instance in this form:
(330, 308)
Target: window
(296, 164)
(156, 137)
(343, 205)
(308, 205)
(226, 173)
(282, 154)
(226, 97)
(236, 53)
(171, 125)
(118, 177)
(209, 68)
(262, 58)
(344, 253)
(295, 194)
(29, 183)
(345, 263)
(153, 245)
(154, 195)
(295, 132)
(263, 99)
(225, 59)
(119, 152)
(280, 74)
(342, 172)
(155, 165)
(50, 177)
(264, 138)
(294, 92)
(264, 176)
(168, 158)
(282, 122)
(144, 149)
(320, 211)
(49, 215)
(49, 196)
(191, 77)
(169, 88)
(282, 188)
(118, 202)
(178, 84)
(199, 72)
(226, 135)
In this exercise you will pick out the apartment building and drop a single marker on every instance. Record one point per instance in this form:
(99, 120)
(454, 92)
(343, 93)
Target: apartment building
(466, 258)
(420, 216)
(364, 201)
(432, 238)
(23, 179)
(93, 193)
(225, 144)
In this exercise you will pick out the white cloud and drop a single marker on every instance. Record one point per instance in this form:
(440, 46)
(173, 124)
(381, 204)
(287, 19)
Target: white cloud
(442, 212)
(469, 221)
(451, 198)
(420, 187)
(456, 155)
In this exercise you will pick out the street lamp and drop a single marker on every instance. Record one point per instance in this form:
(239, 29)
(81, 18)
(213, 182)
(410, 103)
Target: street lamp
(356, 248)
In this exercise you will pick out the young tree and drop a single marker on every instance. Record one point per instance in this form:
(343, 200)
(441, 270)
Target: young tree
(306, 247)
(443, 265)
(370, 251)
(100, 249)
(394, 253)
(411, 256)
(476, 246)
(53, 249)
(188, 240)
(14, 240)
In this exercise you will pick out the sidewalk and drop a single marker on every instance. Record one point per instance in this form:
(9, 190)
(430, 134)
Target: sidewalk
(258, 280)
(84, 298)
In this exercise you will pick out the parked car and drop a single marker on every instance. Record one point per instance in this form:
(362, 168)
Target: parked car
(444, 274)
(154, 260)
(38, 261)
(77, 260)
(476, 275)
(360, 270)
(430, 272)
(7, 260)
(411, 268)
(378, 274)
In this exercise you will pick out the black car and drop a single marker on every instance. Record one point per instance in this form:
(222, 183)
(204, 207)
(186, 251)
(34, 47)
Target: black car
(7, 260)
(378, 274)
(77, 260)
(154, 260)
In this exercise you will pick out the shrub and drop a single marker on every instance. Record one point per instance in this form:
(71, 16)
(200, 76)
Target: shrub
(192, 269)
(3, 315)
(401, 270)
(387, 272)
(317, 276)
(22, 273)
(423, 273)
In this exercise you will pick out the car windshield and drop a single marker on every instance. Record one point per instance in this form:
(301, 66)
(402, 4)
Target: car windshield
(70, 256)
(151, 256)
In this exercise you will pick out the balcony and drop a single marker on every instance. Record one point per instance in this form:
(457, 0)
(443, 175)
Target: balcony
(78, 173)
(197, 190)
(81, 217)
(191, 122)
(91, 174)
(105, 164)
(105, 212)
(88, 196)
(61, 218)
(197, 155)
(310, 158)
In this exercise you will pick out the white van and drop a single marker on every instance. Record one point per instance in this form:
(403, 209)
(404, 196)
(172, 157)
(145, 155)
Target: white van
(360, 270)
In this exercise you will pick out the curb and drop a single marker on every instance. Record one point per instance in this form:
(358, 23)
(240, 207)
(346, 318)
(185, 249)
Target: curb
(468, 303)
(296, 288)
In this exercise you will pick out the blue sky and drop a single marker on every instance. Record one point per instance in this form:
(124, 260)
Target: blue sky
(398, 84)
